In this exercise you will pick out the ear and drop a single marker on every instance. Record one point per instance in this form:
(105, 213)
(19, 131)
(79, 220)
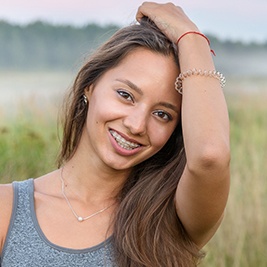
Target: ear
(88, 91)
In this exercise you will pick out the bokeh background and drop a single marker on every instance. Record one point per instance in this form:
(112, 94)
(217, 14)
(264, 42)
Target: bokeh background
(42, 46)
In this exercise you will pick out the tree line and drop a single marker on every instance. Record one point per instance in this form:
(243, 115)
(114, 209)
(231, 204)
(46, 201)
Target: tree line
(41, 45)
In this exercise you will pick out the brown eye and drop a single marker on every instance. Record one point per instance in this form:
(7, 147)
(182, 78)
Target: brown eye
(125, 95)
(163, 115)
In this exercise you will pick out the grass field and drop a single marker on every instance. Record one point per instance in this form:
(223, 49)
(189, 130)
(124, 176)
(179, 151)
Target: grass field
(29, 142)
(242, 239)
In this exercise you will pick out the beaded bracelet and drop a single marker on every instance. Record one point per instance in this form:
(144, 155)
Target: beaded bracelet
(211, 73)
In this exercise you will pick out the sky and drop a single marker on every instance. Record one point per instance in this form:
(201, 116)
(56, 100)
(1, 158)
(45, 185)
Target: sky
(238, 20)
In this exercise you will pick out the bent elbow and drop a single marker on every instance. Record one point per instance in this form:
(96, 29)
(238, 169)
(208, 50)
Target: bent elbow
(211, 158)
(215, 158)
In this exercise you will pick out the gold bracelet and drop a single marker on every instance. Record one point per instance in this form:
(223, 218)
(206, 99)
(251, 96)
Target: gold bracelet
(207, 73)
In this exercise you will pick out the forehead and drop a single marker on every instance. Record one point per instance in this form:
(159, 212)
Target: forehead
(144, 58)
(147, 68)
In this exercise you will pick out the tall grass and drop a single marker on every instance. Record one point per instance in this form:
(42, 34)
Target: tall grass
(241, 241)
(29, 144)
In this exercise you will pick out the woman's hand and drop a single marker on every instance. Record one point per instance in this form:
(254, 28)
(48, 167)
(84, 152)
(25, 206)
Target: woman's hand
(170, 19)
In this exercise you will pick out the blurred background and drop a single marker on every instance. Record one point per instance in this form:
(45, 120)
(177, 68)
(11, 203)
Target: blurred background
(44, 43)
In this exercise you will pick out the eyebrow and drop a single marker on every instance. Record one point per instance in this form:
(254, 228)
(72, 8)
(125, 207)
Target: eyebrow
(170, 106)
(131, 85)
(138, 90)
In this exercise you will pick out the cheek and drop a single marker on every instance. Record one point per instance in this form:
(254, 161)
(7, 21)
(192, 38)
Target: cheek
(103, 107)
(160, 137)
(96, 112)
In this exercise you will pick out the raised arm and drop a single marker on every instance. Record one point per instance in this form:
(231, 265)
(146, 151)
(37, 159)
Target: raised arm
(203, 189)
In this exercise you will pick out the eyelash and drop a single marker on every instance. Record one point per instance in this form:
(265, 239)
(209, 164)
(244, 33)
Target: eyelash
(169, 117)
(125, 95)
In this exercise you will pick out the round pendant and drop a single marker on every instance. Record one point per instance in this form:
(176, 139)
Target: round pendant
(80, 219)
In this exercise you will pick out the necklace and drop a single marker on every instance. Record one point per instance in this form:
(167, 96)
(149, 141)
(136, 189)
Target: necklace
(79, 218)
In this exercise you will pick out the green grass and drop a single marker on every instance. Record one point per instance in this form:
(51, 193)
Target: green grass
(29, 145)
(241, 241)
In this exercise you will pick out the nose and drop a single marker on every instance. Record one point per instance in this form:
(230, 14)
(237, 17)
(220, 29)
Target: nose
(136, 122)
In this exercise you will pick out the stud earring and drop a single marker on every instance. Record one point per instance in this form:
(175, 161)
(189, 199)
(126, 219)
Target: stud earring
(85, 100)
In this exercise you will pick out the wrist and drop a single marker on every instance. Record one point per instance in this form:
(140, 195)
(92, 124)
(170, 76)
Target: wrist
(194, 52)
(193, 36)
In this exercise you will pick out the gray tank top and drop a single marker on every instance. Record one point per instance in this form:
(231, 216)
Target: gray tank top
(27, 246)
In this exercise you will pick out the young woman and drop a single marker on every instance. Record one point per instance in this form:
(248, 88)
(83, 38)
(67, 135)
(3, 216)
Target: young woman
(143, 174)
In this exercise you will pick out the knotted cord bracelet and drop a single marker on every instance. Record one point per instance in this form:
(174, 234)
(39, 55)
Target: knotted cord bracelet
(211, 73)
(198, 33)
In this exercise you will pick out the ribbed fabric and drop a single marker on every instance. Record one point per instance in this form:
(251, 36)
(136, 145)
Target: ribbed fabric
(27, 246)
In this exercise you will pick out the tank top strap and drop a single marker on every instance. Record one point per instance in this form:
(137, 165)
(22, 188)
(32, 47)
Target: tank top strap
(23, 200)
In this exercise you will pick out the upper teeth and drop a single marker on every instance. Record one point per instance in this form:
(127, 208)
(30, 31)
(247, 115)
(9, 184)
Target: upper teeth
(122, 142)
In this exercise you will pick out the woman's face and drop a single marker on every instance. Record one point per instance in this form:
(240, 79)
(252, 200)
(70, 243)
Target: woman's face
(133, 110)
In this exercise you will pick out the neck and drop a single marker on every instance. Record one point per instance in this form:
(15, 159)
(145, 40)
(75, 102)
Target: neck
(97, 184)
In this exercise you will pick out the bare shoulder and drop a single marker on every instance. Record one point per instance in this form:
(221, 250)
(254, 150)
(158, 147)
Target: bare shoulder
(6, 202)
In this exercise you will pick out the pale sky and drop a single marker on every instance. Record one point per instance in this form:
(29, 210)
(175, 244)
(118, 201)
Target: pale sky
(232, 19)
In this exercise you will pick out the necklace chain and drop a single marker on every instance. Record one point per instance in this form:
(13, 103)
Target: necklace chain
(79, 218)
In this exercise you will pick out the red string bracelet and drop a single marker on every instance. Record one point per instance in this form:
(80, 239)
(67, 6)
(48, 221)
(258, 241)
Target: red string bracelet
(199, 33)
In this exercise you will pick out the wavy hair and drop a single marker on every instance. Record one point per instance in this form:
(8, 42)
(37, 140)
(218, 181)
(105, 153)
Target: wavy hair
(147, 231)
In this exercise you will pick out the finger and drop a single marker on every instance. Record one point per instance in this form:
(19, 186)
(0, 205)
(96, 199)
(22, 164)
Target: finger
(143, 10)
(139, 15)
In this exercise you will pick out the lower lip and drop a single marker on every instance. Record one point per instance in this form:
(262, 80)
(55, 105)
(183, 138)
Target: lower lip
(120, 150)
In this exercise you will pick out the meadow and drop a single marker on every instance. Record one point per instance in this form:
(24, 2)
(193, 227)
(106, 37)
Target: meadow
(30, 139)
(242, 239)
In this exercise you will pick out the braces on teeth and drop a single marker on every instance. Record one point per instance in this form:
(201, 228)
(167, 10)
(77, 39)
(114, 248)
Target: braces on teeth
(122, 142)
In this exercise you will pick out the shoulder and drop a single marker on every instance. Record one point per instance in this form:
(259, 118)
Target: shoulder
(6, 202)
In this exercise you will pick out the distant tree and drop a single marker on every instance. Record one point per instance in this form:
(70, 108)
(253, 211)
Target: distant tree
(43, 45)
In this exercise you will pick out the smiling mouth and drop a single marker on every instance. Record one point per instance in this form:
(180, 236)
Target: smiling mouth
(123, 142)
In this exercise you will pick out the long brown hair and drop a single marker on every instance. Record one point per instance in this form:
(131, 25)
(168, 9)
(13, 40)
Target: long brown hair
(147, 230)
